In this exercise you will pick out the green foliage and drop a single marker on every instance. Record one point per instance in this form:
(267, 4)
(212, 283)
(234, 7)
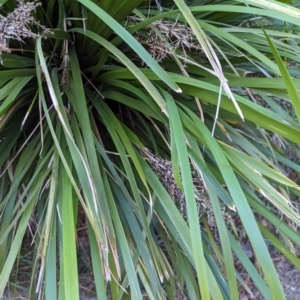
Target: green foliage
(109, 92)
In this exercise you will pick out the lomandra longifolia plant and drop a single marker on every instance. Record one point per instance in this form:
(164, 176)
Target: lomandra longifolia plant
(137, 153)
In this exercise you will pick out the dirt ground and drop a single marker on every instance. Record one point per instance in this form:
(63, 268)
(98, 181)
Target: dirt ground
(288, 274)
(290, 279)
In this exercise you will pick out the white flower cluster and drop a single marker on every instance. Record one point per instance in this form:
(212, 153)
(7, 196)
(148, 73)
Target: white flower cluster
(16, 24)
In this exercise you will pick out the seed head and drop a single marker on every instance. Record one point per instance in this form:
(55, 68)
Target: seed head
(16, 25)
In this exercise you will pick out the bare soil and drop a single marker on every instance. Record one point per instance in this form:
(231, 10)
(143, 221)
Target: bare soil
(288, 274)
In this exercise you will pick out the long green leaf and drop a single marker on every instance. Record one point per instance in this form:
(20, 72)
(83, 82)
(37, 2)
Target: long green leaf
(69, 255)
(244, 211)
(179, 139)
(290, 86)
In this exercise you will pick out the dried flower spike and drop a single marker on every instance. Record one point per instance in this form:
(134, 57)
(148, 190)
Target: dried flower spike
(16, 25)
